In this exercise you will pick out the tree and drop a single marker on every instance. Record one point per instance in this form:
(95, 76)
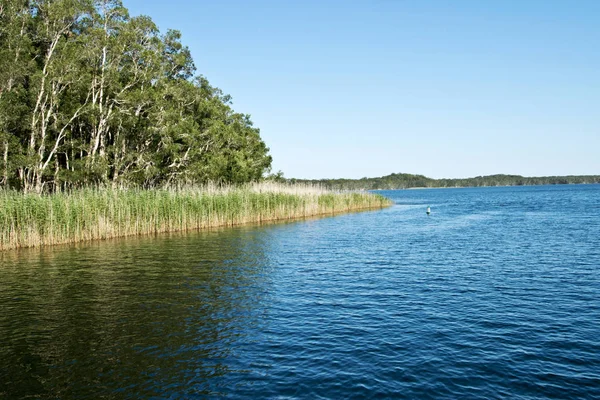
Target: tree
(107, 99)
(15, 65)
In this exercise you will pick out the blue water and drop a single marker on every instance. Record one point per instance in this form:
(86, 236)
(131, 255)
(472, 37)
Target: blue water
(496, 294)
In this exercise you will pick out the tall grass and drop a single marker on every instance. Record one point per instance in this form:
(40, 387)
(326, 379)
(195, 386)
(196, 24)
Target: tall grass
(28, 220)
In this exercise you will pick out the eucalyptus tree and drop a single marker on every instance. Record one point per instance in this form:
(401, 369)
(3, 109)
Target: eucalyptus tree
(105, 51)
(165, 136)
(151, 109)
(231, 149)
(90, 95)
(15, 65)
(55, 102)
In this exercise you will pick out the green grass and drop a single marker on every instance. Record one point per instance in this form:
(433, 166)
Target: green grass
(28, 220)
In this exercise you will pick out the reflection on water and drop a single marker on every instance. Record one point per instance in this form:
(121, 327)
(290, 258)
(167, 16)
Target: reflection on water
(145, 313)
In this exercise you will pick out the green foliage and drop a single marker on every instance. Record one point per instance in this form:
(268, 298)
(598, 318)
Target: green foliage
(90, 95)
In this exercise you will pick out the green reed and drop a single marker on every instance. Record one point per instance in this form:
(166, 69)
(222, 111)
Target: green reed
(28, 220)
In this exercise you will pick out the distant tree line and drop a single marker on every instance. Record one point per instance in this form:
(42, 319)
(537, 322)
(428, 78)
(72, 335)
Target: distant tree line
(405, 181)
(90, 95)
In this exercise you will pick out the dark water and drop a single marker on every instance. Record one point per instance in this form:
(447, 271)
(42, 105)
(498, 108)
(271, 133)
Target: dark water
(495, 295)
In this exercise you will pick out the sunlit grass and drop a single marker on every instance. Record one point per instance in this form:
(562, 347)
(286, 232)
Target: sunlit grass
(28, 220)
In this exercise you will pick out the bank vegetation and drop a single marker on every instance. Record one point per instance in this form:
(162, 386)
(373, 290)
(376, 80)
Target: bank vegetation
(28, 220)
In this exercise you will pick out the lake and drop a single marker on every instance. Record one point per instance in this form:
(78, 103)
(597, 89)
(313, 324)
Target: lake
(496, 294)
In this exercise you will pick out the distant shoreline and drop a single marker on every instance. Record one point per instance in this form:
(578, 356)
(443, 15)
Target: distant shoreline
(409, 181)
(496, 186)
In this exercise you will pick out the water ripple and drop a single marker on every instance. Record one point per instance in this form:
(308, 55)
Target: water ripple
(494, 295)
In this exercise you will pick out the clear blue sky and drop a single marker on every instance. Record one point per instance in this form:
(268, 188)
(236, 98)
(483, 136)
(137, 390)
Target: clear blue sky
(353, 88)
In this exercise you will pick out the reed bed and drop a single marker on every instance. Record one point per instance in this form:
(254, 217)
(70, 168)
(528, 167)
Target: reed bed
(28, 220)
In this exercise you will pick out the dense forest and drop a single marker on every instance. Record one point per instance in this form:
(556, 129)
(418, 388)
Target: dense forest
(405, 181)
(92, 96)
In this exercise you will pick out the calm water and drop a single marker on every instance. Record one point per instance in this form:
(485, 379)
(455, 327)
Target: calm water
(494, 295)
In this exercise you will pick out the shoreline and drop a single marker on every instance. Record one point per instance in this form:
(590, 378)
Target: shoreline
(16, 252)
(89, 215)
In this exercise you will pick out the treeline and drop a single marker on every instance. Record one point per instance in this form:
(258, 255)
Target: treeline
(92, 96)
(405, 181)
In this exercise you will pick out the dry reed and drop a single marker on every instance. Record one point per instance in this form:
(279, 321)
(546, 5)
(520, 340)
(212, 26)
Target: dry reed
(28, 220)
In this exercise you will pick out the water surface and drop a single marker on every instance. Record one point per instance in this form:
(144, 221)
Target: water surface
(494, 295)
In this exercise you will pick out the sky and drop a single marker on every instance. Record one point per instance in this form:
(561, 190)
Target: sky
(365, 88)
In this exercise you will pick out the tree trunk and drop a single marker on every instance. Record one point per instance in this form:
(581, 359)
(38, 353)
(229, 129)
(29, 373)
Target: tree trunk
(5, 160)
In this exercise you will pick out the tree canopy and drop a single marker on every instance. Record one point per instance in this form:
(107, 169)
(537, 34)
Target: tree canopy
(91, 95)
